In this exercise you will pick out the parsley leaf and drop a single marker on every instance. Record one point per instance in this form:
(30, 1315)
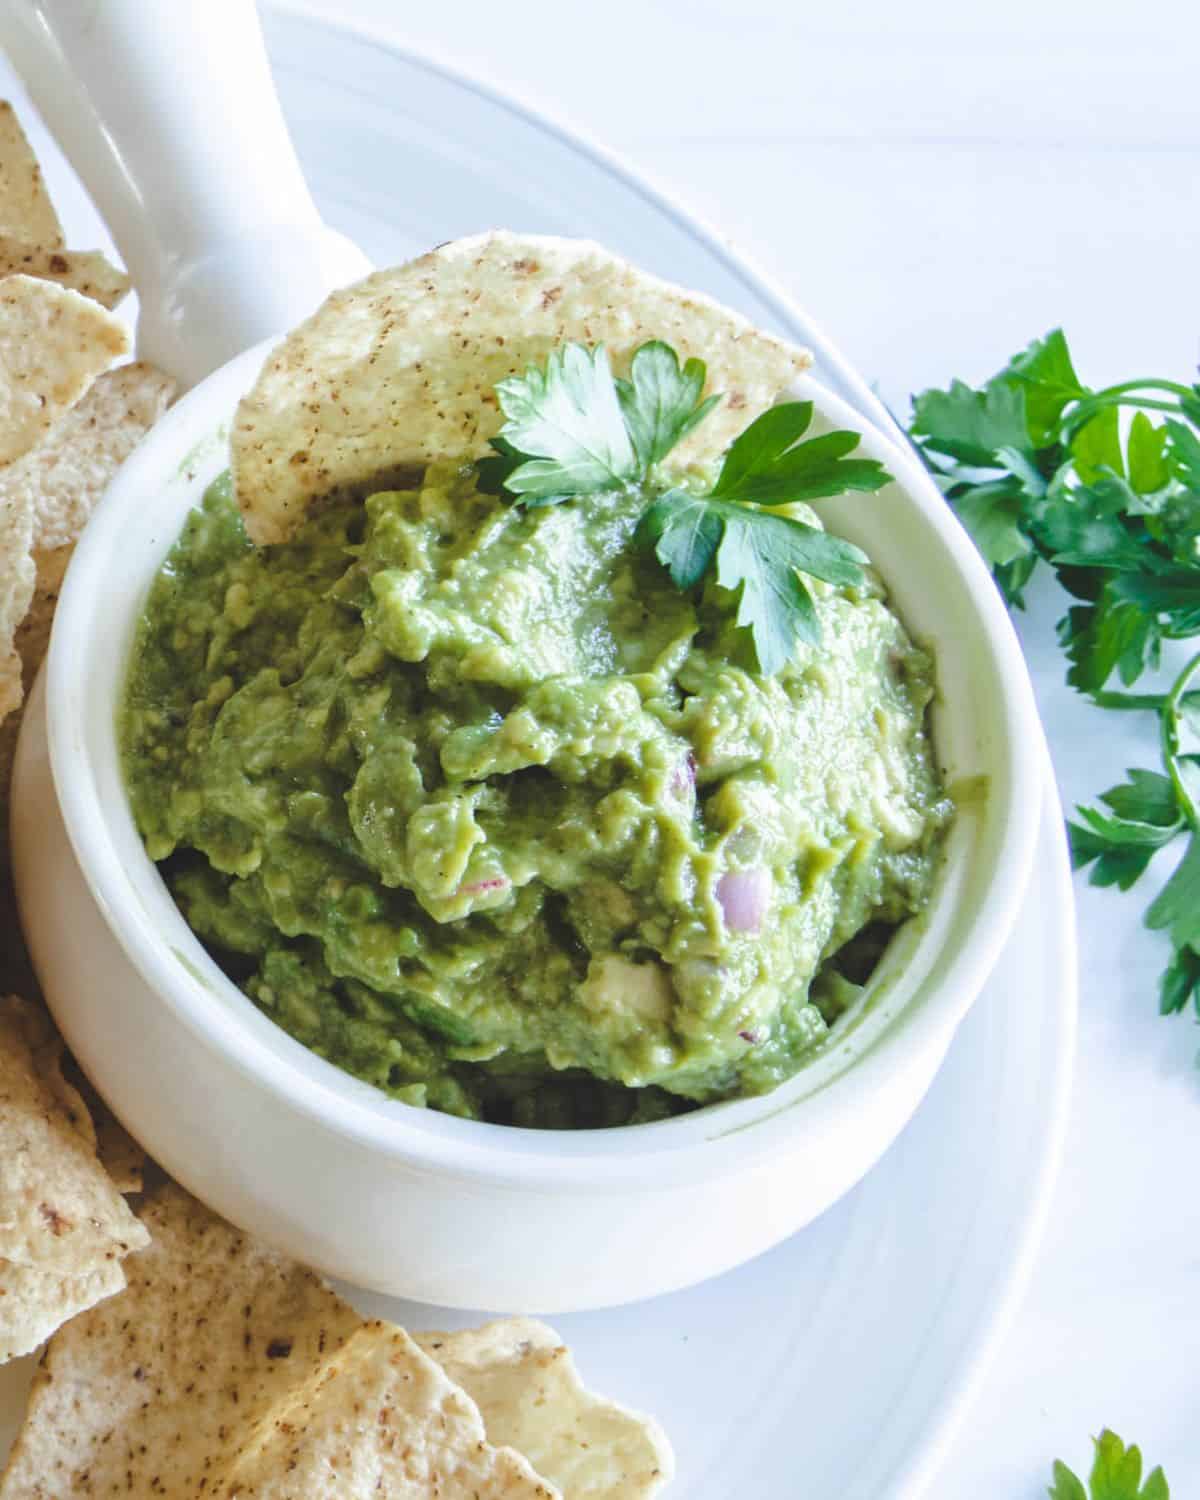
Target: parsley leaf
(757, 552)
(775, 604)
(1116, 1475)
(1169, 596)
(1176, 908)
(992, 514)
(978, 447)
(573, 430)
(1147, 797)
(764, 555)
(684, 531)
(1118, 848)
(1047, 378)
(1180, 983)
(1185, 447)
(1148, 467)
(1082, 532)
(566, 427)
(1066, 1485)
(769, 465)
(1108, 637)
(972, 426)
(1096, 446)
(660, 402)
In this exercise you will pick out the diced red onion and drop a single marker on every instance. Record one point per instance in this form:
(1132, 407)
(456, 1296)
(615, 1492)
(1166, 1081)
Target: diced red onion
(477, 887)
(683, 778)
(744, 895)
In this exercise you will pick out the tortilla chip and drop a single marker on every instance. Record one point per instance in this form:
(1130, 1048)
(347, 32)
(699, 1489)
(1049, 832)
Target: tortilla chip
(17, 576)
(46, 497)
(524, 1381)
(85, 271)
(58, 1070)
(47, 1157)
(26, 212)
(400, 369)
(33, 633)
(16, 972)
(120, 1155)
(49, 495)
(139, 1396)
(50, 1056)
(49, 1060)
(65, 475)
(379, 1419)
(58, 1210)
(53, 344)
(34, 1304)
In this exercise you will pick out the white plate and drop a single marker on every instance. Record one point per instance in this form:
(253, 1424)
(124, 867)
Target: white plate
(840, 1363)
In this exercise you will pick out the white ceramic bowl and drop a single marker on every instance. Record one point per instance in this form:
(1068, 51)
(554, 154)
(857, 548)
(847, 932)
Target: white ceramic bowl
(445, 1210)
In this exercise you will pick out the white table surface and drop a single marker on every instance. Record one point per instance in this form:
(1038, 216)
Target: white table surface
(937, 184)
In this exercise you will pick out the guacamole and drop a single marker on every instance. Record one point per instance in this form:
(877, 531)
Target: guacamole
(472, 801)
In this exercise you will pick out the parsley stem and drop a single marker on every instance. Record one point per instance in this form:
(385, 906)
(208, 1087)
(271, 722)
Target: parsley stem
(1171, 726)
(1152, 702)
(1172, 386)
(1091, 406)
(1146, 403)
(1142, 702)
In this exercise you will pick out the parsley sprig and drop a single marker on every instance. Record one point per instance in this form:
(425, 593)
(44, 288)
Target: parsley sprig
(1104, 488)
(1116, 1475)
(572, 429)
(1038, 467)
(1144, 814)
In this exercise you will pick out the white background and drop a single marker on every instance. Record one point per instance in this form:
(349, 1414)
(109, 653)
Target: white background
(937, 184)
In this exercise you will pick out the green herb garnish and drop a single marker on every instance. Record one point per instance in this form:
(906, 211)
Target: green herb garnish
(1116, 1475)
(572, 429)
(1104, 487)
(565, 434)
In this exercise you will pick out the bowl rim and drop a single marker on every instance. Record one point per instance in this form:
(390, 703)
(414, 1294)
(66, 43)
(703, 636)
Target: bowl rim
(721, 1138)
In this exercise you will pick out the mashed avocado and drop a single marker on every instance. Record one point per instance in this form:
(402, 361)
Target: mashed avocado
(476, 804)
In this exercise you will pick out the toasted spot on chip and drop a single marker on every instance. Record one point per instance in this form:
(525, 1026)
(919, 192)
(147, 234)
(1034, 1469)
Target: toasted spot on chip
(85, 271)
(53, 344)
(142, 1395)
(400, 369)
(378, 1418)
(524, 1381)
(26, 212)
